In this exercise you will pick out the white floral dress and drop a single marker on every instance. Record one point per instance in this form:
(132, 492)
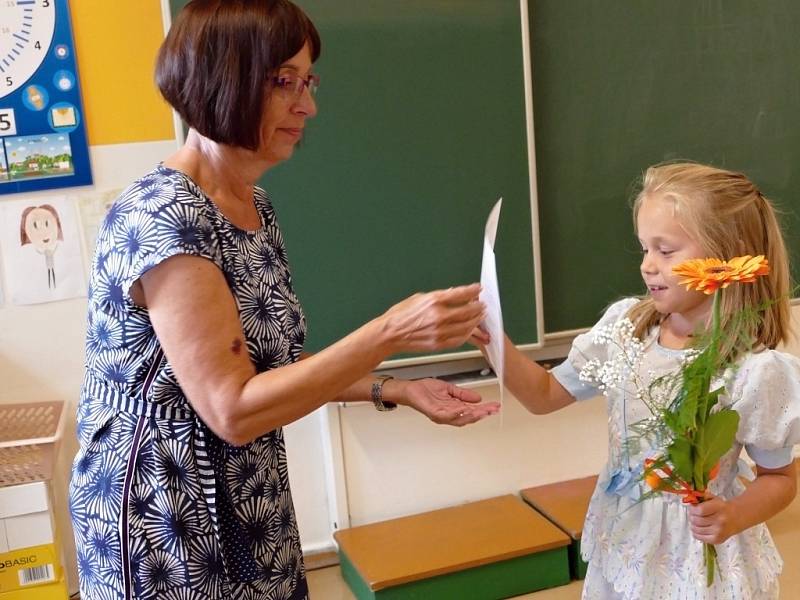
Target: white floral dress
(644, 550)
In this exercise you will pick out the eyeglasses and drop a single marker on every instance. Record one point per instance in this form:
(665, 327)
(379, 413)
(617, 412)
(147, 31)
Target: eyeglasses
(292, 85)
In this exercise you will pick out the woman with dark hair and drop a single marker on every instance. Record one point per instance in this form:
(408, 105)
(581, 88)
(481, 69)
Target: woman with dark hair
(180, 487)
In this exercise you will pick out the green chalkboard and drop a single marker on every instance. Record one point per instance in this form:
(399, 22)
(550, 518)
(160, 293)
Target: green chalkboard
(421, 127)
(618, 86)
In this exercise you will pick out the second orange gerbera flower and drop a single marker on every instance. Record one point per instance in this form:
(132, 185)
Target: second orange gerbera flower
(708, 274)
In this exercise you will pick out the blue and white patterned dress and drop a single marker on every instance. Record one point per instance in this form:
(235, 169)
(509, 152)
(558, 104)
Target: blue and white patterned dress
(161, 507)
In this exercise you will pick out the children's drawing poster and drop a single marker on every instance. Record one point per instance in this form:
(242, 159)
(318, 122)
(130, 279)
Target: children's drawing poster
(41, 250)
(93, 208)
(42, 135)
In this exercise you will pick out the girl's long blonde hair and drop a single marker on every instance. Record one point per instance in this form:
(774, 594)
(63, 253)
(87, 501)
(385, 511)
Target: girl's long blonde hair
(728, 216)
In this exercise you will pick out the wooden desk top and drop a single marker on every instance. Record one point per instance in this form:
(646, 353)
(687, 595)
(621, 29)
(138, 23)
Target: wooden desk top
(565, 503)
(398, 551)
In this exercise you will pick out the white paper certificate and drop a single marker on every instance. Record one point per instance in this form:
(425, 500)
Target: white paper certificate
(490, 296)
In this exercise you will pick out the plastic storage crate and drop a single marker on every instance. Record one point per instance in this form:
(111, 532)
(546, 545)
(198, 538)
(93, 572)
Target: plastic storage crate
(28, 434)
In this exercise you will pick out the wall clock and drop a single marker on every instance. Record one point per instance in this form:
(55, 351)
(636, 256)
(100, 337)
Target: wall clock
(42, 135)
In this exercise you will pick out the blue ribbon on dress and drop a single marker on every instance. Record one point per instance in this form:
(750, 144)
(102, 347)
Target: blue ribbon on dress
(624, 482)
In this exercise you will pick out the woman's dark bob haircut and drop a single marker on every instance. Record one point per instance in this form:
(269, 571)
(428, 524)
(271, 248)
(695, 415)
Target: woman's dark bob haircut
(216, 63)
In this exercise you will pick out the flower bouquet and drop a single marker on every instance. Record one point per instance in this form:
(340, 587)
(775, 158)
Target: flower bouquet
(693, 435)
(700, 436)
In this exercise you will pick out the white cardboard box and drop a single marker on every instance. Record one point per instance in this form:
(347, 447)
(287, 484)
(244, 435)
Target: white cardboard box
(25, 516)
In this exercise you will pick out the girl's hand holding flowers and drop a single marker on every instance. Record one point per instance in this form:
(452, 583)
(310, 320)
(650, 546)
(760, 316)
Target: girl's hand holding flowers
(714, 520)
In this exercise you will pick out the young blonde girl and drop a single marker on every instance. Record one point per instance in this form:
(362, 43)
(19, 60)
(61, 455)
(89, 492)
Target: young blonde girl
(647, 550)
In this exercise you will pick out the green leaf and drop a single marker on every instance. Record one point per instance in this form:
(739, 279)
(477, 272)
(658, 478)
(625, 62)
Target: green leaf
(679, 454)
(696, 380)
(710, 402)
(672, 421)
(699, 481)
(718, 436)
(686, 413)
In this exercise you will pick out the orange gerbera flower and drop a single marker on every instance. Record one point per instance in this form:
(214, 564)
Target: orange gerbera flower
(708, 274)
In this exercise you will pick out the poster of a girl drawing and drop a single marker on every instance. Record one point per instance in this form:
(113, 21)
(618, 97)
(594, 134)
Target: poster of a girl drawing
(42, 257)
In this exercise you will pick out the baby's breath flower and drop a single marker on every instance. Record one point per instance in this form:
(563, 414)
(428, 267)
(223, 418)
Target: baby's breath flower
(625, 356)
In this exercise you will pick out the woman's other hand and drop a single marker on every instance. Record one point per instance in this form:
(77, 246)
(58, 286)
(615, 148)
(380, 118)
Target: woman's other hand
(433, 320)
(445, 403)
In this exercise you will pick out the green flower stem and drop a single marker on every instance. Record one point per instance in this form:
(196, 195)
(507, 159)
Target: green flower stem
(710, 556)
(715, 321)
(709, 551)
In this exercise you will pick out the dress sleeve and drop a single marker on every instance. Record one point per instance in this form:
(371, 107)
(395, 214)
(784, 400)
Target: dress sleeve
(584, 349)
(766, 394)
(160, 218)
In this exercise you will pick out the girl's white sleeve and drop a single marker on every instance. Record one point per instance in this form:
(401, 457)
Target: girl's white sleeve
(766, 394)
(584, 349)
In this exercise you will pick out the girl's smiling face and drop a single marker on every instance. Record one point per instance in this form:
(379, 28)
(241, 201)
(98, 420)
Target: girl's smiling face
(665, 244)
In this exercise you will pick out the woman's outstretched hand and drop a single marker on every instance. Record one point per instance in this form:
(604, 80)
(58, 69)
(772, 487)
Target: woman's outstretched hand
(445, 403)
(433, 320)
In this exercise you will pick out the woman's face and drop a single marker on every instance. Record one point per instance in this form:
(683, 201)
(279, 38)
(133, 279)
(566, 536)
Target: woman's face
(286, 111)
(41, 227)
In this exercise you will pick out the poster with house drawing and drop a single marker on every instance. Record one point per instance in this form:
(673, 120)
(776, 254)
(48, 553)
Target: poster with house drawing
(41, 250)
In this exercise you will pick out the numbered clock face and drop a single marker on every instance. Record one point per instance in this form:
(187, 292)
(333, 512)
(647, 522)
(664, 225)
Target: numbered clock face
(26, 30)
